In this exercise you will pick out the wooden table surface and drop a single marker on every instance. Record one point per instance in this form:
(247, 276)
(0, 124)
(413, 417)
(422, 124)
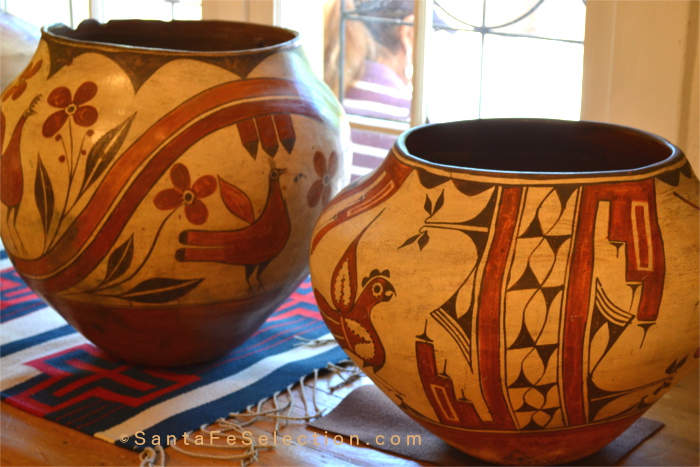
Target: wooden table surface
(31, 441)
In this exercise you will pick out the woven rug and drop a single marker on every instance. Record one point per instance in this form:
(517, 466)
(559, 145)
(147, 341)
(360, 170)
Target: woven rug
(51, 371)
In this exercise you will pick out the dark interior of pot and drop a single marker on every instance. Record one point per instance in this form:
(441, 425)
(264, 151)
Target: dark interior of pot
(531, 145)
(192, 36)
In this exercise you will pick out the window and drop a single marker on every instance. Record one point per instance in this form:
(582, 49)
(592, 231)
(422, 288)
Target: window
(164, 10)
(633, 41)
(519, 58)
(473, 59)
(72, 12)
(482, 58)
(44, 12)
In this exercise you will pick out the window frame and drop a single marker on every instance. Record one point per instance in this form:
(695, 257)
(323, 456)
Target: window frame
(423, 26)
(610, 41)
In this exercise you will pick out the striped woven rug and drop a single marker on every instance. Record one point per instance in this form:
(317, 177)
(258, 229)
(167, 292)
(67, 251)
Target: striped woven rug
(51, 371)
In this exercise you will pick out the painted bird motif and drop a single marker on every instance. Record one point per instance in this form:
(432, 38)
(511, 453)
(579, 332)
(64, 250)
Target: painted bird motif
(12, 187)
(350, 321)
(253, 246)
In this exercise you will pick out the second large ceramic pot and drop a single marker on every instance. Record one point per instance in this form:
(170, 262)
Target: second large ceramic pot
(160, 181)
(525, 289)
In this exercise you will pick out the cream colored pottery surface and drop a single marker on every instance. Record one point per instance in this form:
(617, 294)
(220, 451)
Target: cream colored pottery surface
(181, 183)
(515, 304)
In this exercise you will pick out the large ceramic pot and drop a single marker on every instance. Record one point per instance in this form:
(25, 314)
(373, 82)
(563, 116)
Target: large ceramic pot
(160, 181)
(525, 289)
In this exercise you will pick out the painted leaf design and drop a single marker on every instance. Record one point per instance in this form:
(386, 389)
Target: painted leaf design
(428, 206)
(160, 290)
(236, 201)
(667, 384)
(440, 201)
(103, 152)
(411, 240)
(43, 194)
(120, 260)
(675, 366)
(671, 368)
(343, 284)
(423, 240)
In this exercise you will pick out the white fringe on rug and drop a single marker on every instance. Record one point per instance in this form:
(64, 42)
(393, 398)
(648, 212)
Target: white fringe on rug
(237, 422)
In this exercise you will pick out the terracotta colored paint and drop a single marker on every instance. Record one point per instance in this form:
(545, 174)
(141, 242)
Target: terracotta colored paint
(155, 191)
(527, 270)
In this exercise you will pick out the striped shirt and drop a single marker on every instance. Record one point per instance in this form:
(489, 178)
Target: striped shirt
(380, 93)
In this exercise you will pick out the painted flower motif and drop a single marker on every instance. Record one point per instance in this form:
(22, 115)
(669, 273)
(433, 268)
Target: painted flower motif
(17, 89)
(183, 192)
(71, 106)
(321, 188)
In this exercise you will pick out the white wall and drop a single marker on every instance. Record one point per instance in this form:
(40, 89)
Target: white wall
(304, 16)
(641, 68)
(252, 11)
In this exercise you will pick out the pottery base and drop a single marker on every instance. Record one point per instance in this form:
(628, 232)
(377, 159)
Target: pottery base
(377, 422)
(544, 448)
(170, 336)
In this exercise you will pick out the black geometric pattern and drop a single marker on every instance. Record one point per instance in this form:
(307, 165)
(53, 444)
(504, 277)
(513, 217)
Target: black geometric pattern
(611, 319)
(533, 298)
(637, 398)
(673, 177)
(460, 323)
(606, 315)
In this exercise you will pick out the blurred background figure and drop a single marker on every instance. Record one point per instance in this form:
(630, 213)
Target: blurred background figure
(377, 68)
(378, 59)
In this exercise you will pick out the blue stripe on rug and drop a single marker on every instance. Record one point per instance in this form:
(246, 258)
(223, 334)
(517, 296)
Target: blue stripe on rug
(191, 420)
(16, 298)
(23, 344)
(64, 378)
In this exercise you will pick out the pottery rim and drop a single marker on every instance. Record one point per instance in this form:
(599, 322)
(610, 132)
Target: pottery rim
(417, 147)
(93, 34)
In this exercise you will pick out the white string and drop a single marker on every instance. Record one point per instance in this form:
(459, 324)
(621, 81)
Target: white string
(150, 455)
(236, 422)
